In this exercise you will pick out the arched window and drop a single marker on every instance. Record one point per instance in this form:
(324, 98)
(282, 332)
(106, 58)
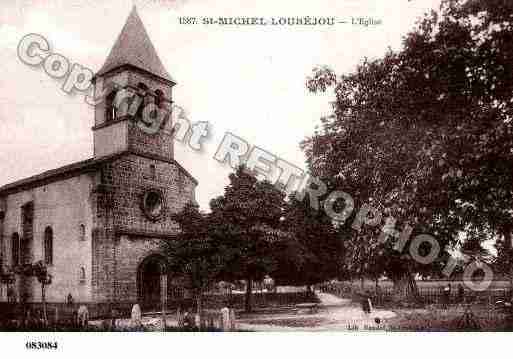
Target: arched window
(110, 107)
(82, 232)
(48, 246)
(159, 98)
(142, 87)
(15, 249)
(82, 275)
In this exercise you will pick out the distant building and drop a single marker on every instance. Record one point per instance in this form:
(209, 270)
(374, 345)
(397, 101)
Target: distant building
(97, 223)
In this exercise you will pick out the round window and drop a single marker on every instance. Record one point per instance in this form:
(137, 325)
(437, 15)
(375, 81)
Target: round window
(153, 204)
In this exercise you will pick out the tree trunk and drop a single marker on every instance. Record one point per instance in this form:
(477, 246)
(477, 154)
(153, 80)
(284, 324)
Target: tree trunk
(248, 295)
(405, 287)
(164, 319)
(507, 237)
(199, 305)
(43, 299)
(400, 287)
(508, 245)
(163, 298)
(412, 285)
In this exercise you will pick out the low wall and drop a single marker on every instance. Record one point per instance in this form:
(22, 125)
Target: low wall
(64, 312)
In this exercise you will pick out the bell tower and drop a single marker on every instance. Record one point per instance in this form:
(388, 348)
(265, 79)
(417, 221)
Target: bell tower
(135, 87)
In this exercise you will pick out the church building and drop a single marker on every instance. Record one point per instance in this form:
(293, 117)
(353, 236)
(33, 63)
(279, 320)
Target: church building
(97, 224)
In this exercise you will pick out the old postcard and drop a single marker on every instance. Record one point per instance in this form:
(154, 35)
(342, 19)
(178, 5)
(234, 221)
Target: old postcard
(255, 166)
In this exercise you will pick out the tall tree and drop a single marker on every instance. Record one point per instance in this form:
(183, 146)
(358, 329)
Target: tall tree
(424, 134)
(195, 253)
(40, 271)
(247, 220)
(313, 252)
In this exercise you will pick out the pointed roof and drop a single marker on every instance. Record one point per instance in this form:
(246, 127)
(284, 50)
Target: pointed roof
(134, 47)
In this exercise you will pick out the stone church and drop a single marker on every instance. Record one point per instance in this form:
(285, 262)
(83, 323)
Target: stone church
(97, 224)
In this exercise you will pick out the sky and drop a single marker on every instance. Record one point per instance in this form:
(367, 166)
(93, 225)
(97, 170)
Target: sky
(246, 80)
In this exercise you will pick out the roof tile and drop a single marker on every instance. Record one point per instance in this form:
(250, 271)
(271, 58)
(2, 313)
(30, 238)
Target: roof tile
(134, 47)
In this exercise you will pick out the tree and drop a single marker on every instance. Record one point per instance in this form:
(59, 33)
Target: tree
(40, 271)
(313, 252)
(424, 134)
(246, 219)
(194, 252)
(473, 247)
(365, 259)
(8, 277)
(503, 262)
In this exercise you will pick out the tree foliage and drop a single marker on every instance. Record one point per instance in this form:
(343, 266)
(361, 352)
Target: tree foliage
(425, 134)
(194, 253)
(314, 251)
(247, 218)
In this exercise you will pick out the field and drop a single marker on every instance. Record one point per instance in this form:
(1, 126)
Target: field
(422, 284)
(432, 310)
(452, 318)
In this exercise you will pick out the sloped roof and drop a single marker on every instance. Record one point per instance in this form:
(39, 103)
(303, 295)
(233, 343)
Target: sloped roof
(71, 170)
(57, 173)
(134, 47)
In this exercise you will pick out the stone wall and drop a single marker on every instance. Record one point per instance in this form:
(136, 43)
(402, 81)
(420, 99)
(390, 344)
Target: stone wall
(3, 258)
(124, 236)
(111, 139)
(160, 144)
(126, 133)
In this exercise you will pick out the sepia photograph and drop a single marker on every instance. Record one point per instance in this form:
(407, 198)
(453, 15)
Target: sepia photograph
(255, 166)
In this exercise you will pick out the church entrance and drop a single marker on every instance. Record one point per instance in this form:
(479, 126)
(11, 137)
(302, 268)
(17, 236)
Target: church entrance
(151, 276)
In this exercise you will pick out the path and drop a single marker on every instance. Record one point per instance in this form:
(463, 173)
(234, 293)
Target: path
(335, 314)
(330, 299)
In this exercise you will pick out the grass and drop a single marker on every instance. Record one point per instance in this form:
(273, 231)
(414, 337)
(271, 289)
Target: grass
(454, 318)
(67, 327)
(422, 284)
(300, 322)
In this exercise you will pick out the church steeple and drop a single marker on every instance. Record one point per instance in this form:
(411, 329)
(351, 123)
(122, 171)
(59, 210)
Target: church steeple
(134, 47)
(131, 80)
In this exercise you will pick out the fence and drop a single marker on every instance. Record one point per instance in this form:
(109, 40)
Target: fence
(425, 295)
(236, 300)
(436, 296)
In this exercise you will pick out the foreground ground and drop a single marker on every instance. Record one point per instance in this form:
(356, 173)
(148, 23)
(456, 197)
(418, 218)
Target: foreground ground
(339, 314)
(453, 318)
(334, 314)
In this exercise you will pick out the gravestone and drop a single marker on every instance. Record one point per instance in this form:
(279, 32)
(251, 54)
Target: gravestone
(188, 321)
(83, 316)
(233, 324)
(56, 316)
(179, 318)
(225, 319)
(28, 320)
(197, 320)
(136, 316)
(370, 305)
(113, 319)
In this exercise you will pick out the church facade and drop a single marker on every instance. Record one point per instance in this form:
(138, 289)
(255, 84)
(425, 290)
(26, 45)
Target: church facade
(97, 224)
